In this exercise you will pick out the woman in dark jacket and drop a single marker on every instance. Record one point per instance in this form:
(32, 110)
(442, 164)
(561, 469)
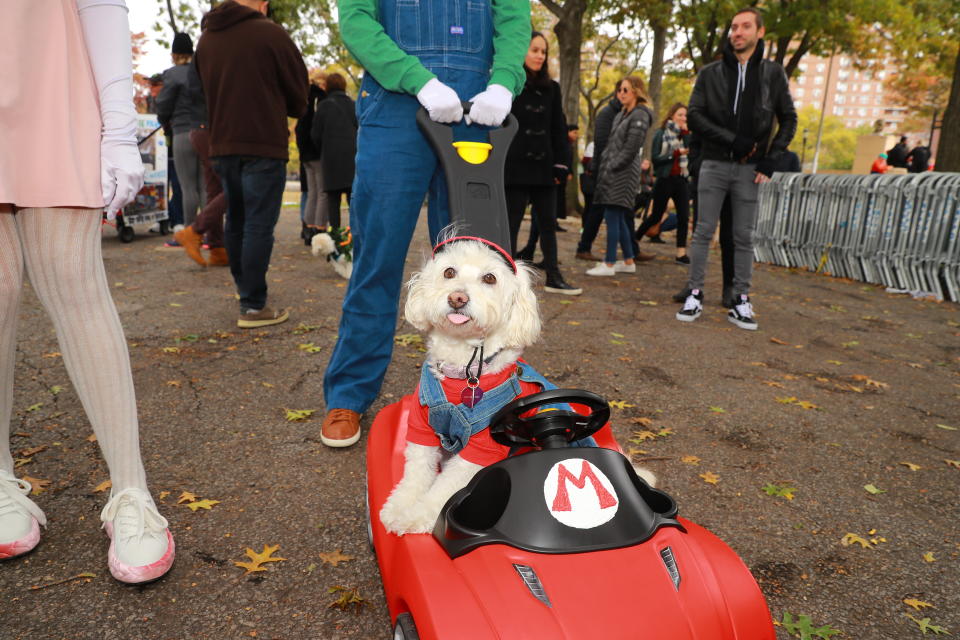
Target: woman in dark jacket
(315, 209)
(671, 146)
(334, 135)
(619, 179)
(532, 161)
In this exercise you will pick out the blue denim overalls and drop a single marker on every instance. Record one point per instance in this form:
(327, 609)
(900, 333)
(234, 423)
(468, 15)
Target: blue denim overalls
(395, 168)
(455, 423)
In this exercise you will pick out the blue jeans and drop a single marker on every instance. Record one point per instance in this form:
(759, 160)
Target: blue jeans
(254, 189)
(395, 169)
(175, 195)
(618, 232)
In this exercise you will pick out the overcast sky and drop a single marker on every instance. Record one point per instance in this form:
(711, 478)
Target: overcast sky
(143, 13)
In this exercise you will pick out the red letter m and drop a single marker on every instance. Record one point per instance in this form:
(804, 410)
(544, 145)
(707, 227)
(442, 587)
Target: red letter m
(562, 501)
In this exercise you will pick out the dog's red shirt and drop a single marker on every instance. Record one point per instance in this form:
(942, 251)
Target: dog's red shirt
(482, 449)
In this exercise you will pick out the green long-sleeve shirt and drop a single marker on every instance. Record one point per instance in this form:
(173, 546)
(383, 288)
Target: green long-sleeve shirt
(398, 71)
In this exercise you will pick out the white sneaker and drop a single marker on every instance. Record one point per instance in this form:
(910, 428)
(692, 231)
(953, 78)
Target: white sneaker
(742, 314)
(20, 517)
(177, 227)
(692, 307)
(141, 547)
(601, 269)
(622, 267)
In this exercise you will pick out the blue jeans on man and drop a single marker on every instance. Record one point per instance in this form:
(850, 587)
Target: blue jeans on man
(254, 189)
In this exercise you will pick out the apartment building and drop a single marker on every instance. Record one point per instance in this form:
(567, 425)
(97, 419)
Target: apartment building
(857, 97)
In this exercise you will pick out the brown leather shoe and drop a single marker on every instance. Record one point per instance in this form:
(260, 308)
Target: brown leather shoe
(645, 257)
(218, 257)
(190, 240)
(341, 428)
(263, 318)
(587, 255)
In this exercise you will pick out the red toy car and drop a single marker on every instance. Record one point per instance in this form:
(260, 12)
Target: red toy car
(556, 542)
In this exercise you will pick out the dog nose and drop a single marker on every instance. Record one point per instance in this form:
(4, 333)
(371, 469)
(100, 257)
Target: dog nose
(458, 299)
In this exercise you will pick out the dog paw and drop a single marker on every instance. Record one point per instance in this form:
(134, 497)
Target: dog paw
(401, 518)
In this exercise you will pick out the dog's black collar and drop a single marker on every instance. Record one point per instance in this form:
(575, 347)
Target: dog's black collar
(451, 371)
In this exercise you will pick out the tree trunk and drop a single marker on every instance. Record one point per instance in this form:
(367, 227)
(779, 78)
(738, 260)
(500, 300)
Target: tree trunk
(173, 19)
(656, 77)
(569, 32)
(948, 152)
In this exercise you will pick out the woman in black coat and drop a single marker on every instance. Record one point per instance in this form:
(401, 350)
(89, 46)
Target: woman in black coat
(334, 134)
(315, 209)
(535, 159)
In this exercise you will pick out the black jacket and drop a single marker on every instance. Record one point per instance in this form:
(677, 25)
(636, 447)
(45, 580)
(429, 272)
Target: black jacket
(897, 155)
(178, 107)
(711, 116)
(919, 159)
(308, 151)
(541, 139)
(334, 135)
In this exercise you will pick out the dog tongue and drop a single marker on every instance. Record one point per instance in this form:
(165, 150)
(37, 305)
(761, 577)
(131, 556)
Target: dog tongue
(457, 318)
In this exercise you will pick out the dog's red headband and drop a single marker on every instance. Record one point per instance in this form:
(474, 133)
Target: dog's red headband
(497, 248)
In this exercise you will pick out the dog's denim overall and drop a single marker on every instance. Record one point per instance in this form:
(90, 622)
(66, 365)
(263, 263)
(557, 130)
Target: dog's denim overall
(455, 423)
(395, 168)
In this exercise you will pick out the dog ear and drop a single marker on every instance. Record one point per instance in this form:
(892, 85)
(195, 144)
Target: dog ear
(415, 309)
(523, 323)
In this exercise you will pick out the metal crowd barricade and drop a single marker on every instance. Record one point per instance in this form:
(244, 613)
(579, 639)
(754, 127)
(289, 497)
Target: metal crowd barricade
(902, 231)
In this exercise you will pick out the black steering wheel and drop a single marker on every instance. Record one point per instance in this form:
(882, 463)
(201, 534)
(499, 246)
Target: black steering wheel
(549, 429)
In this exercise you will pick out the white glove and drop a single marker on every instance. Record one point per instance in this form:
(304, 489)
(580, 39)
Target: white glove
(440, 101)
(106, 31)
(490, 107)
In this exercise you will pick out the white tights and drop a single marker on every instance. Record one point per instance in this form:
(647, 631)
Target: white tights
(61, 251)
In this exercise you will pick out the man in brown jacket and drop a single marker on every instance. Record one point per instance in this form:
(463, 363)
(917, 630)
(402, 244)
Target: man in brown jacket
(254, 78)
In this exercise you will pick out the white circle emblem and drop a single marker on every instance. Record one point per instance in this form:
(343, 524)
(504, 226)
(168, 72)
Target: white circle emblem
(579, 495)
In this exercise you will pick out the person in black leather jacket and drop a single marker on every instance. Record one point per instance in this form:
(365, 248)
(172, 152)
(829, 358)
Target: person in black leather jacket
(733, 106)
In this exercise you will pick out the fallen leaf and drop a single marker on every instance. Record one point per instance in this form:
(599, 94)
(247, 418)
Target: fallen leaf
(690, 459)
(646, 422)
(19, 462)
(807, 405)
(928, 557)
(786, 399)
(573, 322)
(803, 628)
(175, 304)
(55, 389)
(759, 364)
(617, 335)
(718, 410)
(298, 415)
(407, 339)
(916, 604)
(911, 466)
(92, 437)
(925, 625)
(617, 342)
(305, 328)
(186, 496)
(173, 383)
(872, 489)
(163, 494)
(39, 486)
(852, 343)
(347, 597)
(779, 490)
(171, 349)
(335, 557)
(649, 303)
(620, 404)
(26, 453)
(664, 432)
(852, 538)
(836, 362)
(267, 385)
(774, 383)
(710, 477)
(953, 463)
(202, 504)
(34, 407)
(257, 560)
(640, 436)
(53, 354)
(634, 451)
(103, 486)
(309, 347)
(778, 341)
(947, 427)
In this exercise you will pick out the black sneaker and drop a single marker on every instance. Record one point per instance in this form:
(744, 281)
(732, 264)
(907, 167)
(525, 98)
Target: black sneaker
(682, 260)
(692, 307)
(657, 239)
(556, 284)
(682, 296)
(742, 314)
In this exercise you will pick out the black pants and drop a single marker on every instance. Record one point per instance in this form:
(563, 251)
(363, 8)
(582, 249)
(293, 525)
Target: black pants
(673, 188)
(333, 203)
(543, 201)
(592, 219)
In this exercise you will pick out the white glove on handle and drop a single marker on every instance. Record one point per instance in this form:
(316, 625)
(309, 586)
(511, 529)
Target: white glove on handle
(490, 107)
(441, 102)
(106, 31)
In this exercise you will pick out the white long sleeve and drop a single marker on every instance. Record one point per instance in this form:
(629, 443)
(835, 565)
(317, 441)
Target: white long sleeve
(106, 30)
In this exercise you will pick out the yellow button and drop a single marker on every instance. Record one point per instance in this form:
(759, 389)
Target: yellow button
(473, 152)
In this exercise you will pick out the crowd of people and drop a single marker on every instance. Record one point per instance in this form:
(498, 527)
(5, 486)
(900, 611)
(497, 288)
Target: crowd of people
(900, 155)
(225, 105)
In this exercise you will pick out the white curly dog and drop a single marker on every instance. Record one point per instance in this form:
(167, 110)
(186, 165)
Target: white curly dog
(469, 295)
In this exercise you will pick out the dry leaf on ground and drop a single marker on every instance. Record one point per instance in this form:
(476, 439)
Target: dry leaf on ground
(257, 560)
(335, 558)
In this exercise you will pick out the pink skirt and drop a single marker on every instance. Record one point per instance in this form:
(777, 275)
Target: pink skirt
(49, 112)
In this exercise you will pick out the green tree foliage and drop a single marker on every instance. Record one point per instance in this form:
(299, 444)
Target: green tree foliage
(837, 145)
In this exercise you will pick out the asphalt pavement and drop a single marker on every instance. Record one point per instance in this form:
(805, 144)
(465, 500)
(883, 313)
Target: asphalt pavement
(767, 438)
